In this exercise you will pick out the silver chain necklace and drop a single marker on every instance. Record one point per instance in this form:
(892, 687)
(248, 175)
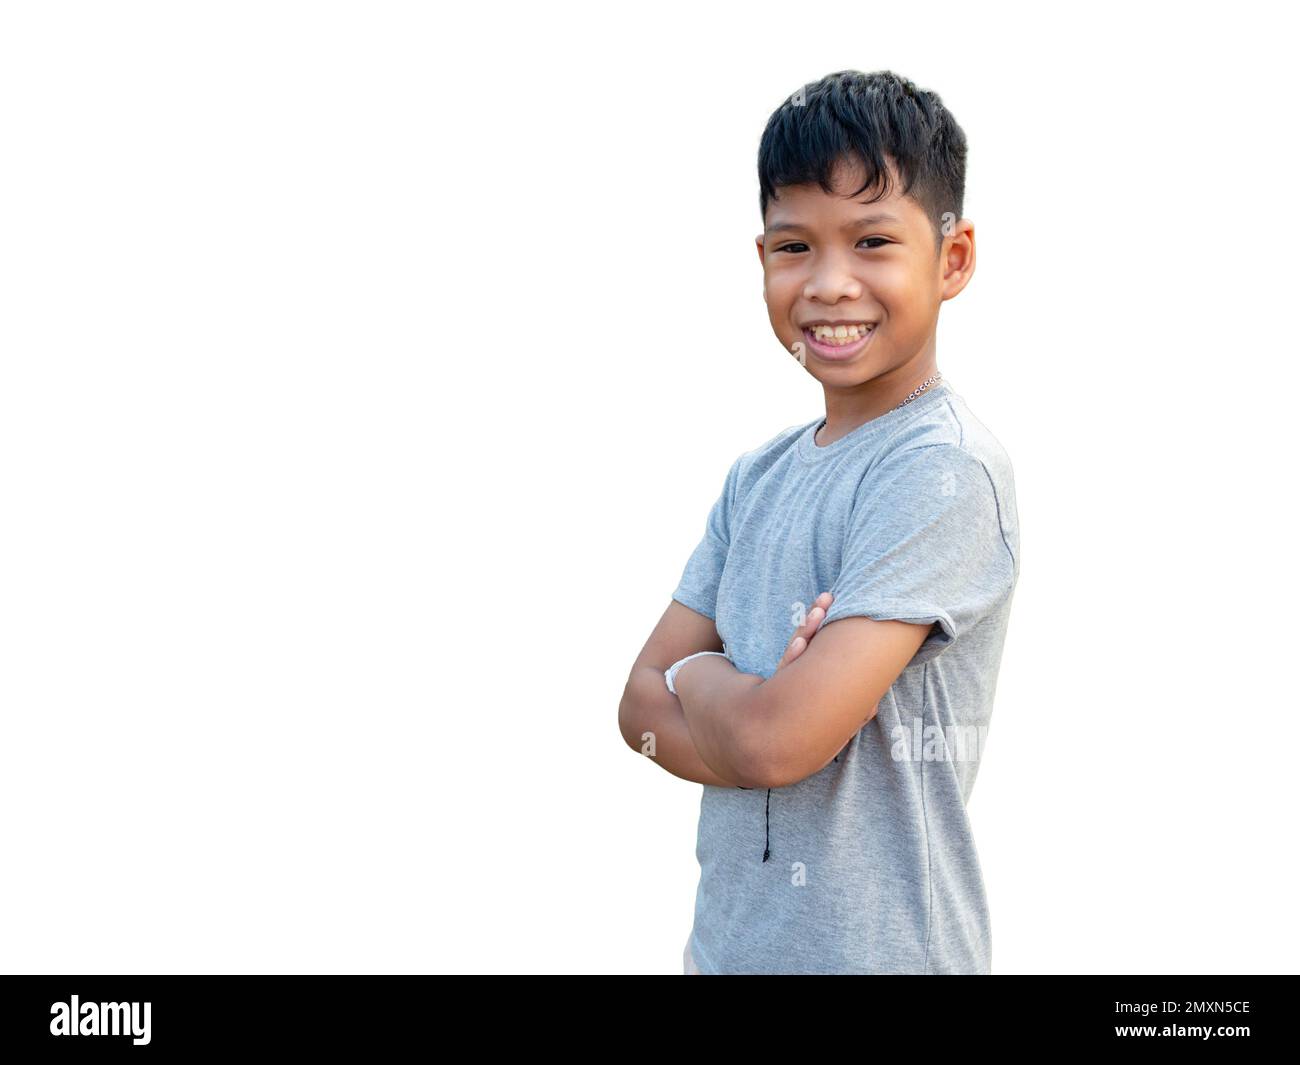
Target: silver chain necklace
(916, 392)
(921, 388)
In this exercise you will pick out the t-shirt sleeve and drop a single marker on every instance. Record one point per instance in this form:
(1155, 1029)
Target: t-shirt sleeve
(698, 587)
(925, 544)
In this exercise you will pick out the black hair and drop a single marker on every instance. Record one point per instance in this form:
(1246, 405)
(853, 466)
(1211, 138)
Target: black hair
(850, 115)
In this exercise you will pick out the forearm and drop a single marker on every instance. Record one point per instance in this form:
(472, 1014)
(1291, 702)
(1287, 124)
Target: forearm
(717, 701)
(648, 707)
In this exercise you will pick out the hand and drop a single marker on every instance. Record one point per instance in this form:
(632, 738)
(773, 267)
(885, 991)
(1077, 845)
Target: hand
(804, 633)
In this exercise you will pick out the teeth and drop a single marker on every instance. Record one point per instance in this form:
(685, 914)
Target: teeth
(846, 334)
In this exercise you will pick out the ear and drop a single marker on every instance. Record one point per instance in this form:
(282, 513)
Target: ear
(758, 240)
(958, 259)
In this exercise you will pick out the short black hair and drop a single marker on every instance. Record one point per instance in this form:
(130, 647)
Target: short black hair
(851, 115)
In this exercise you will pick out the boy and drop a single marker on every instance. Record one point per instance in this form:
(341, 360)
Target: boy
(833, 835)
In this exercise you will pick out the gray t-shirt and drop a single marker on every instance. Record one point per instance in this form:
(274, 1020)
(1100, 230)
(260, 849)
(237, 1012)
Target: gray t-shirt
(871, 866)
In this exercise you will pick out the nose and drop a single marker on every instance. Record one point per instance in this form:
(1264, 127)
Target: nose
(831, 279)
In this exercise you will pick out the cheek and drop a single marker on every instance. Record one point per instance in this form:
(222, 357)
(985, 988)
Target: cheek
(777, 306)
(900, 297)
(781, 293)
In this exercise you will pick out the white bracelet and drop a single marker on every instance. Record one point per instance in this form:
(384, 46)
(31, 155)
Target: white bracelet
(671, 671)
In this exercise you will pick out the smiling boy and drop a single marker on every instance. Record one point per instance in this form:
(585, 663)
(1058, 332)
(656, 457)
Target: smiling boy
(885, 535)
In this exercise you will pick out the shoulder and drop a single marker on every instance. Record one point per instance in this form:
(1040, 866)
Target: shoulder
(958, 462)
(752, 464)
(949, 433)
(952, 425)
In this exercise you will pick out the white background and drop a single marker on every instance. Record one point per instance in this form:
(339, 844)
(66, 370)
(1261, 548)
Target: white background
(369, 370)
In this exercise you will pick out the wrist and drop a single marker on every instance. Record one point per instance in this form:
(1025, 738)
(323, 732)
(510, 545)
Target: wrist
(709, 680)
(672, 673)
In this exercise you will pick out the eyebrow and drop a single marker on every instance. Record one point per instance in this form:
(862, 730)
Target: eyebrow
(868, 220)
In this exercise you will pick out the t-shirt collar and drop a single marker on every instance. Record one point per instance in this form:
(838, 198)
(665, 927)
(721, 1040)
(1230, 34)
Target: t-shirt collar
(809, 451)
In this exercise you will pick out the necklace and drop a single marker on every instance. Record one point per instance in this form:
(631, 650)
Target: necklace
(916, 392)
(921, 388)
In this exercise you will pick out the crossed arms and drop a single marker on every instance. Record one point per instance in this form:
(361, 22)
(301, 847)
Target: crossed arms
(728, 728)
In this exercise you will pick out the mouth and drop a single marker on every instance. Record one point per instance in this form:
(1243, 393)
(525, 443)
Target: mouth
(838, 343)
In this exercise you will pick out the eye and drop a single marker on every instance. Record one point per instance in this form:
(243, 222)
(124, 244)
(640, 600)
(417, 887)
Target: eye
(799, 245)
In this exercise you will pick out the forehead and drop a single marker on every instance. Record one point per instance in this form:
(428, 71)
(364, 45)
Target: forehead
(806, 206)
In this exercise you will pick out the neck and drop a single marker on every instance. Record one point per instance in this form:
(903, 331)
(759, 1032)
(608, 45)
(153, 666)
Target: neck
(846, 409)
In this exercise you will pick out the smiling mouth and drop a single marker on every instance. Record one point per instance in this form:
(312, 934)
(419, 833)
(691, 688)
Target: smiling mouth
(823, 342)
(839, 336)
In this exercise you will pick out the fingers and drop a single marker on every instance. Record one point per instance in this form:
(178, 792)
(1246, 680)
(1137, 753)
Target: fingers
(815, 617)
(792, 651)
(812, 622)
(796, 645)
(804, 633)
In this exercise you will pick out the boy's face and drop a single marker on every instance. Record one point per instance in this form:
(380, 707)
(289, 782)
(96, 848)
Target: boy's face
(823, 261)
